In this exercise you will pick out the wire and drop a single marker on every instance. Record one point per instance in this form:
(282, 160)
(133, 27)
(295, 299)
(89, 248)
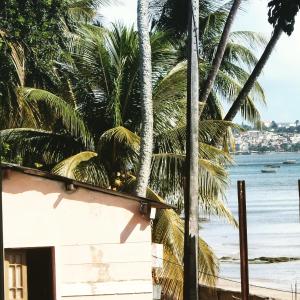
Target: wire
(226, 279)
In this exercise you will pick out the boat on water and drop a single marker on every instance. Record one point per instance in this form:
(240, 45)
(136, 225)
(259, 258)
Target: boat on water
(290, 162)
(273, 166)
(269, 170)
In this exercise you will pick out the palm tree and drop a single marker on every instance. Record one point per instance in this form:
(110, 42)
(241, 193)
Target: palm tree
(216, 64)
(172, 16)
(144, 168)
(283, 13)
(282, 17)
(100, 81)
(26, 62)
(107, 63)
(240, 100)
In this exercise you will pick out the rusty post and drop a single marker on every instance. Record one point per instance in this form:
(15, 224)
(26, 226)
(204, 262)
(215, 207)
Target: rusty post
(243, 239)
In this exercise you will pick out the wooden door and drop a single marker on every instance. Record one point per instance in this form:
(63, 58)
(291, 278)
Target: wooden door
(15, 275)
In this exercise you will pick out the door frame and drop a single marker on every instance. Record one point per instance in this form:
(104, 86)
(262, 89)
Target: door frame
(23, 264)
(53, 266)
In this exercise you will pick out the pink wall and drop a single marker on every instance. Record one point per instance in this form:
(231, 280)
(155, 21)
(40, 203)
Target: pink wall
(102, 243)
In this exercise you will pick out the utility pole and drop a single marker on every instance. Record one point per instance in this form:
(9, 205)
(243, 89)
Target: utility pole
(2, 292)
(191, 204)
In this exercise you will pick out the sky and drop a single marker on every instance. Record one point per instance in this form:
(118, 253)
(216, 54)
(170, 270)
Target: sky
(281, 76)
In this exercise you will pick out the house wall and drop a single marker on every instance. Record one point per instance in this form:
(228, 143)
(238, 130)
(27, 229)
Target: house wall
(102, 244)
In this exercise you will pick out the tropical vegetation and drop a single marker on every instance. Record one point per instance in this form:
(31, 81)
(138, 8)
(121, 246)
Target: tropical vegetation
(71, 103)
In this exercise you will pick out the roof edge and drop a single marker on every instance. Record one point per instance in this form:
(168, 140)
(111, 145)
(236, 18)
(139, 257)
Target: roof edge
(66, 180)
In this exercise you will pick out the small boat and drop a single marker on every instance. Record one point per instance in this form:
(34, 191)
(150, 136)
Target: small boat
(274, 166)
(269, 170)
(290, 162)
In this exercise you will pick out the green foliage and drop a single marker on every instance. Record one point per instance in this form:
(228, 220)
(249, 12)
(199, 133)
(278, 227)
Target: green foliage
(35, 24)
(71, 104)
(282, 13)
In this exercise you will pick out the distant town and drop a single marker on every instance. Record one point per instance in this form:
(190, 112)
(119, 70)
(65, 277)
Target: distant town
(272, 137)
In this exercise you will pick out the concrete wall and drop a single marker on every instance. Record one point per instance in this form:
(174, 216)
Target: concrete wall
(101, 242)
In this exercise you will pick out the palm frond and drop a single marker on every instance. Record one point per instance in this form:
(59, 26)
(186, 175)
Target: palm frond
(121, 135)
(85, 10)
(17, 57)
(70, 118)
(250, 112)
(173, 140)
(257, 92)
(168, 229)
(68, 166)
(40, 146)
(167, 178)
(167, 98)
(237, 53)
(251, 38)
(118, 148)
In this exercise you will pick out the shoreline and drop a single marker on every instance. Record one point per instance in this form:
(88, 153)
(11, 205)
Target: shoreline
(273, 227)
(231, 286)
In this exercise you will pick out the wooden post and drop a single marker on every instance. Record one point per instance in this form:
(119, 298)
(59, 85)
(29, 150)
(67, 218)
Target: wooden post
(243, 239)
(191, 241)
(2, 291)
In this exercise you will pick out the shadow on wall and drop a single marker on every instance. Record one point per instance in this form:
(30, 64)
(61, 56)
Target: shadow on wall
(19, 183)
(134, 221)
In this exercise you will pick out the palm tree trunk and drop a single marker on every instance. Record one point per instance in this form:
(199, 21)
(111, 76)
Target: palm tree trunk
(147, 106)
(191, 193)
(254, 75)
(220, 52)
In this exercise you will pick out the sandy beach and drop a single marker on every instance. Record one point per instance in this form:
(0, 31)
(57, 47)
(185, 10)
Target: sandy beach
(261, 292)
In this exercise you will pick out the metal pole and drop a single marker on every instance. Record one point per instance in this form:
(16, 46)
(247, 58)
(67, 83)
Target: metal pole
(2, 291)
(243, 239)
(191, 241)
(299, 196)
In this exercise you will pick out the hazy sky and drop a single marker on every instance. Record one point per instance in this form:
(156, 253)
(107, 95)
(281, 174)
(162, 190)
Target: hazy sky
(280, 80)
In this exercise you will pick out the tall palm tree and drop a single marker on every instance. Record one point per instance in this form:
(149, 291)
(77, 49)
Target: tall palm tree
(143, 174)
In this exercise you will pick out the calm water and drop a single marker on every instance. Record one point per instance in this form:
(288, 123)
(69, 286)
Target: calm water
(273, 221)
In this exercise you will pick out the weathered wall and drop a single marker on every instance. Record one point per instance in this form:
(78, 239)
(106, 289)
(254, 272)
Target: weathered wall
(102, 243)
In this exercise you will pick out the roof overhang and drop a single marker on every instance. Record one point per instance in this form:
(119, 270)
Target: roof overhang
(75, 184)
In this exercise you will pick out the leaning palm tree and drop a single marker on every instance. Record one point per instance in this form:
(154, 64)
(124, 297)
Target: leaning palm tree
(282, 16)
(221, 61)
(216, 64)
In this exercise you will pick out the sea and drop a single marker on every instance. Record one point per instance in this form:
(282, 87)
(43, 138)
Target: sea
(273, 222)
